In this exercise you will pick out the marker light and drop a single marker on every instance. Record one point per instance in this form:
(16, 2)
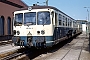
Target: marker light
(42, 32)
(29, 8)
(14, 32)
(18, 32)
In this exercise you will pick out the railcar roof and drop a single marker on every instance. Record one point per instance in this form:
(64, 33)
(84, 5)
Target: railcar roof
(43, 7)
(39, 7)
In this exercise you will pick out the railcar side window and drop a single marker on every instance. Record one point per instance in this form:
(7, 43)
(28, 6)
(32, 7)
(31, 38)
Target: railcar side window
(60, 21)
(63, 21)
(30, 18)
(73, 22)
(43, 18)
(18, 19)
(66, 22)
(70, 22)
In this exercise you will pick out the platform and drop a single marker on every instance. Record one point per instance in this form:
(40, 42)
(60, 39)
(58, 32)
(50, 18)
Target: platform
(77, 49)
(8, 48)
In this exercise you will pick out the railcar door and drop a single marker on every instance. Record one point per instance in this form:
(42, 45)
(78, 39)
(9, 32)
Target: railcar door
(56, 28)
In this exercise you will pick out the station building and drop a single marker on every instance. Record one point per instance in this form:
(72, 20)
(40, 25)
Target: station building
(7, 7)
(84, 24)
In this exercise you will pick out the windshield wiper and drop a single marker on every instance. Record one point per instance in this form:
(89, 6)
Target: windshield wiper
(45, 21)
(29, 23)
(17, 23)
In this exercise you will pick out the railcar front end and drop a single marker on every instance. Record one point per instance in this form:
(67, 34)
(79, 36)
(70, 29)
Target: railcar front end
(33, 28)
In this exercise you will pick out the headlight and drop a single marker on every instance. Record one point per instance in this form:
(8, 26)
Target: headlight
(42, 32)
(38, 32)
(18, 32)
(14, 32)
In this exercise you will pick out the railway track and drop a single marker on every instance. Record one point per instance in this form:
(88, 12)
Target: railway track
(5, 42)
(11, 56)
(14, 54)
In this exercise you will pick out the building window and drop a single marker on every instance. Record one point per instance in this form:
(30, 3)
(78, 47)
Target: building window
(1, 25)
(9, 25)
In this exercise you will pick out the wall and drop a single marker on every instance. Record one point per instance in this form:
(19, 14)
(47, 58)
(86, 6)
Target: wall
(6, 11)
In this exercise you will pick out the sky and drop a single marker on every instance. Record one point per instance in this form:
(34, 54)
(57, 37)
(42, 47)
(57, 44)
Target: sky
(73, 8)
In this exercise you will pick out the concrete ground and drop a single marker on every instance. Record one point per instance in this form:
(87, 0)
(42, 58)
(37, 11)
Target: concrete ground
(77, 49)
(7, 48)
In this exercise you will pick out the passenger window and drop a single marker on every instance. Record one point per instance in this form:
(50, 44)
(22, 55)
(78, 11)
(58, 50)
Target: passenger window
(70, 23)
(63, 21)
(60, 21)
(66, 21)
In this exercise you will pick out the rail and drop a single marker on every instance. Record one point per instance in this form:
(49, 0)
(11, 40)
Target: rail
(15, 54)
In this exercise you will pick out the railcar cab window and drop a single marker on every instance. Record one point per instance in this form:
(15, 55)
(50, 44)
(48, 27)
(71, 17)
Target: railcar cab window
(30, 18)
(43, 18)
(18, 19)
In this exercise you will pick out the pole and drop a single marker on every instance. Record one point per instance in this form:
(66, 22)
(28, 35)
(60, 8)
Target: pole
(88, 14)
(88, 21)
(89, 30)
(46, 2)
(87, 25)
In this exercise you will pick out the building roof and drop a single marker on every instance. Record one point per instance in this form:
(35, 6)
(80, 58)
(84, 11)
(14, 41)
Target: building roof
(82, 20)
(19, 2)
(16, 3)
